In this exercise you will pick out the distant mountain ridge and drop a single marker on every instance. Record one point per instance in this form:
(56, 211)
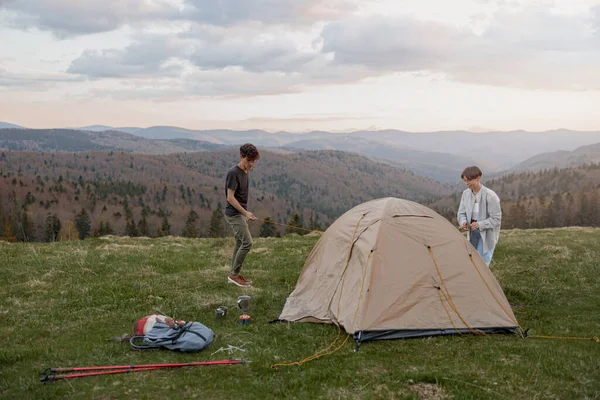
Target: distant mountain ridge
(439, 166)
(560, 159)
(74, 140)
(6, 125)
(440, 155)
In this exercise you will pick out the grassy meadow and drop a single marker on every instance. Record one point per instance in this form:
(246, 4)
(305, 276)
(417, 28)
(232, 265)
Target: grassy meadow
(60, 303)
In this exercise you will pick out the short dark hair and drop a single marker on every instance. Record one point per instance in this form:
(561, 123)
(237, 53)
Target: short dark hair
(249, 151)
(471, 172)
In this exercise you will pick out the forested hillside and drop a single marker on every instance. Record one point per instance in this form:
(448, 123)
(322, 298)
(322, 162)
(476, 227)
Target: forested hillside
(544, 199)
(45, 196)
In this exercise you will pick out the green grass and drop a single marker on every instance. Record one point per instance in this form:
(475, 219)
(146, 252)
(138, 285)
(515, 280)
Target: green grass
(61, 302)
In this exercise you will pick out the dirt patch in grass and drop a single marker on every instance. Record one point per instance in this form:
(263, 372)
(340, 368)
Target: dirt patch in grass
(429, 391)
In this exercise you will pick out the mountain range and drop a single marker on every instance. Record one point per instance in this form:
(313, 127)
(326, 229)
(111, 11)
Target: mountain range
(438, 155)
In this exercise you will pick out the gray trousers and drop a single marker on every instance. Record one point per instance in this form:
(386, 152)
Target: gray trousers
(243, 242)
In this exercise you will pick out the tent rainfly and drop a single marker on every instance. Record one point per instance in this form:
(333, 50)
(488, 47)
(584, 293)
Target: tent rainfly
(391, 268)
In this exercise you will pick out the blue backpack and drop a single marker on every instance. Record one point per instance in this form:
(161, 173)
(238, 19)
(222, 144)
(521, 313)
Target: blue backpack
(189, 337)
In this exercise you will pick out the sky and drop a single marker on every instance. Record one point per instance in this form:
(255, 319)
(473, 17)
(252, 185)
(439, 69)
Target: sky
(336, 65)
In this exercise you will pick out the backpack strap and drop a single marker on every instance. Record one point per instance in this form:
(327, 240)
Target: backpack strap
(140, 338)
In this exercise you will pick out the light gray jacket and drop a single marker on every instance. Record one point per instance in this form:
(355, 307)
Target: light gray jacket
(490, 215)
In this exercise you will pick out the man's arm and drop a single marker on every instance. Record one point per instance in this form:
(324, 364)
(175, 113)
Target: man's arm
(236, 204)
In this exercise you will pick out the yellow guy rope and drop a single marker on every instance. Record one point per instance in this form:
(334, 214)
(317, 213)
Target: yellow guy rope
(448, 312)
(326, 351)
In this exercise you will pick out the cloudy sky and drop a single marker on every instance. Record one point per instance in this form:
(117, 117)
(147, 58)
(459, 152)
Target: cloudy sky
(416, 65)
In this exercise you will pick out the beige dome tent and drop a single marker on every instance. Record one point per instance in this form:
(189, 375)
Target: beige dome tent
(392, 268)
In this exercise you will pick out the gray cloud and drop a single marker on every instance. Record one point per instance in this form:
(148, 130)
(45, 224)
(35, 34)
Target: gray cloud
(66, 18)
(232, 12)
(148, 57)
(212, 51)
(238, 47)
(76, 17)
(533, 49)
(250, 49)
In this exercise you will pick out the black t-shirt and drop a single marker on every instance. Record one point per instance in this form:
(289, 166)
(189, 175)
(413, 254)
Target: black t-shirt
(237, 180)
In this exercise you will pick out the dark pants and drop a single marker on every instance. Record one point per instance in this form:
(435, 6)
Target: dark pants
(243, 242)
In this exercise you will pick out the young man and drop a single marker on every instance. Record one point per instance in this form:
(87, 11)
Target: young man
(236, 211)
(480, 212)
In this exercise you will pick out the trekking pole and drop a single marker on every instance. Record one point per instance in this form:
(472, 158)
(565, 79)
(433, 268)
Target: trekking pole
(49, 374)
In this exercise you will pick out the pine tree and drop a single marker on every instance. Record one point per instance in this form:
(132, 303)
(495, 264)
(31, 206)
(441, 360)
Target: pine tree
(130, 228)
(216, 228)
(51, 228)
(165, 227)
(128, 212)
(267, 229)
(190, 229)
(143, 226)
(82, 224)
(295, 225)
(105, 229)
